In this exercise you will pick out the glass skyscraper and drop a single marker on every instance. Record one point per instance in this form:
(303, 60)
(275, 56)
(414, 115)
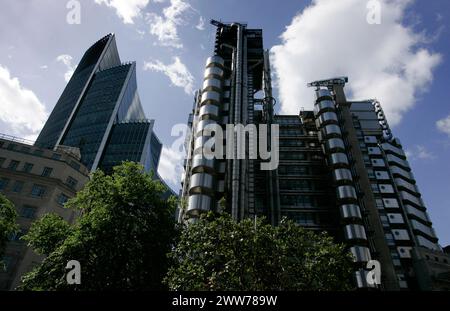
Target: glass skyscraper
(100, 113)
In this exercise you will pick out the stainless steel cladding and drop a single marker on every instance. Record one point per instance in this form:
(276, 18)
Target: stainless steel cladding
(202, 182)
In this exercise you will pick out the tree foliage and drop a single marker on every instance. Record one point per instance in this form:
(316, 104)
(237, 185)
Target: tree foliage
(217, 253)
(120, 239)
(46, 234)
(8, 223)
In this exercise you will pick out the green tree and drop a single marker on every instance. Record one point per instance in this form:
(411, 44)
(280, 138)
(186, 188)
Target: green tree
(216, 253)
(121, 238)
(8, 223)
(46, 234)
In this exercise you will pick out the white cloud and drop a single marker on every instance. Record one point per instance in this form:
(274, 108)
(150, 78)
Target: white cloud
(165, 26)
(170, 166)
(443, 125)
(67, 61)
(177, 72)
(20, 109)
(419, 152)
(332, 38)
(201, 23)
(127, 10)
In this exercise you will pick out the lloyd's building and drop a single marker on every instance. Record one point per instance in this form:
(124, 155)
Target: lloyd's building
(340, 170)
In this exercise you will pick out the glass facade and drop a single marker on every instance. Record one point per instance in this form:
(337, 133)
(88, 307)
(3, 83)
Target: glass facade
(74, 90)
(130, 141)
(93, 117)
(100, 113)
(304, 183)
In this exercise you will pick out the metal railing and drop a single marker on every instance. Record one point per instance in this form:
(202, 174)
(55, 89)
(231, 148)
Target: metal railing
(16, 139)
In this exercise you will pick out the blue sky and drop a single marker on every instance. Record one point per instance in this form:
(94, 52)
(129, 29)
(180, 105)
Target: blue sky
(403, 61)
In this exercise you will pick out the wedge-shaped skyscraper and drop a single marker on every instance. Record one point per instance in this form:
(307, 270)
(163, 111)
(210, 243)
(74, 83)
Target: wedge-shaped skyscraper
(100, 113)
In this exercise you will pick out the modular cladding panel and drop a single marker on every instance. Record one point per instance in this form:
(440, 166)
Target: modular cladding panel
(91, 121)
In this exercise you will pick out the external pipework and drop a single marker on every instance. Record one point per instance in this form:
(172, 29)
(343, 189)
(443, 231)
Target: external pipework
(202, 182)
(238, 62)
(330, 136)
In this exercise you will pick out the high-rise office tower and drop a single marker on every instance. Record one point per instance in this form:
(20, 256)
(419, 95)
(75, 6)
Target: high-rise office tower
(237, 78)
(340, 168)
(100, 113)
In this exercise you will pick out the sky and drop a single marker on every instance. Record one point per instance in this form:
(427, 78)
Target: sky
(396, 51)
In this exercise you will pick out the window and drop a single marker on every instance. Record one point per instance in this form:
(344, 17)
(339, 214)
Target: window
(15, 237)
(293, 170)
(296, 200)
(4, 183)
(71, 182)
(292, 184)
(374, 188)
(384, 221)
(379, 203)
(27, 167)
(46, 172)
(11, 147)
(8, 260)
(28, 212)
(292, 156)
(18, 186)
(390, 239)
(75, 165)
(13, 165)
(62, 199)
(38, 152)
(306, 219)
(38, 191)
(25, 149)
